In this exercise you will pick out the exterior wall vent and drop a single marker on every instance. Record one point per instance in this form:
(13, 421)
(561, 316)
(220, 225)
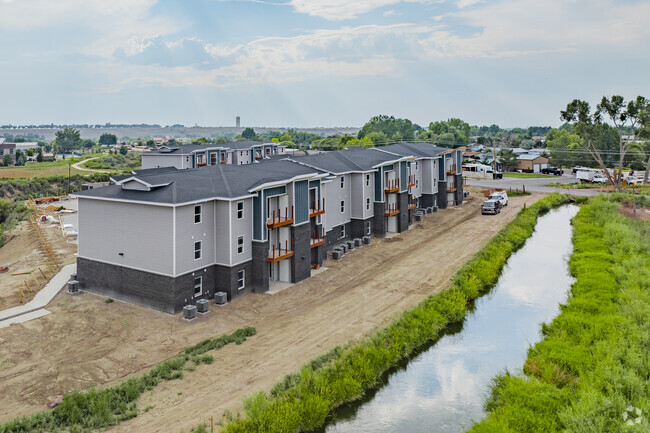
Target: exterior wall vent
(220, 298)
(202, 306)
(189, 312)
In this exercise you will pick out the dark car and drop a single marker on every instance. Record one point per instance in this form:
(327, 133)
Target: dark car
(552, 170)
(491, 207)
(499, 174)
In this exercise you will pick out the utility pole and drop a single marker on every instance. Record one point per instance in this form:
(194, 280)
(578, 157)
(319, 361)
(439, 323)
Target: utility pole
(69, 166)
(494, 160)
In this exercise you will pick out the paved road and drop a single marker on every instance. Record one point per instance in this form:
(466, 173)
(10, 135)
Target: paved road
(79, 167)
(534, 184)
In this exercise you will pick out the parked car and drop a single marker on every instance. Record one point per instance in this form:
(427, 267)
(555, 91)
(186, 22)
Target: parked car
(599, 178)
(552, 170)
(491, 207)
(499, 175)
(500, 196)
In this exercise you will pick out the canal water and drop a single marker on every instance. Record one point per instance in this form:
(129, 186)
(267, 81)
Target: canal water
(443, 388)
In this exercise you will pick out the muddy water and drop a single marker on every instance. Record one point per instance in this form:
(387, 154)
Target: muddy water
(443, 388)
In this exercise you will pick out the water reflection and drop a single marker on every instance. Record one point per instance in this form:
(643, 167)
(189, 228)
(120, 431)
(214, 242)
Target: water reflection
(443, 388)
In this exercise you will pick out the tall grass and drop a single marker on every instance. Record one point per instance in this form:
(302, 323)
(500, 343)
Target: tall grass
(97, 408)
(303, 400)
(25, 187)
(594, 361)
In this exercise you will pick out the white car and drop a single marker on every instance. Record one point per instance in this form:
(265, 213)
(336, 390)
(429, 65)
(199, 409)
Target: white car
(599, 178)
(500, 196)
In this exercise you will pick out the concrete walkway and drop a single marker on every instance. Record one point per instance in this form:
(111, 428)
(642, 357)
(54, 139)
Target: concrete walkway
(35, 308)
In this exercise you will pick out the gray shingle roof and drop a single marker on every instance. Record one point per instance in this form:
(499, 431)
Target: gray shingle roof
(186, 149)
(347, 160)
(215, 181)
(422, 150)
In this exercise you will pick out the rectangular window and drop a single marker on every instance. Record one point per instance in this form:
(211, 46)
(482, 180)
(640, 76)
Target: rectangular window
(197, 250)
(342, 231)
(240, 210)
(11, 151)
(197, 214)
(368, 228)
(367, 180)
(2, 151)
(342, 181)
(367, 204)
(241, 279)
(342, 206)
(198, 286)
(240, 245)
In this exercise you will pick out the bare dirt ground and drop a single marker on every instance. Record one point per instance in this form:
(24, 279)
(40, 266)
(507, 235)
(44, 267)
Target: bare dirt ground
(24, 253)
(86, 341)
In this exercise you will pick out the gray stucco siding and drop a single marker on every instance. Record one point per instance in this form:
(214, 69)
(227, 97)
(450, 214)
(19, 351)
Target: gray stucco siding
(141, 233)
(239, 227)
(187, 233)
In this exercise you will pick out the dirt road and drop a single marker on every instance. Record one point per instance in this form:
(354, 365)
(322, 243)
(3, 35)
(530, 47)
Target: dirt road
(86, 341)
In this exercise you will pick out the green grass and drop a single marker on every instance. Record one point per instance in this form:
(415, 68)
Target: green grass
(130, 161)
(573, 185)
(527, 175)
(83, 411)
(46, 168)
(302, 401)
(594, 359)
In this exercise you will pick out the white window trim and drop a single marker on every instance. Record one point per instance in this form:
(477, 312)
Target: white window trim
(242, 279)
(200, 285)
(200, 250)
(342, 232)
(240, 210)
(367, 180)
(367, 203)
(342, 182)
(200, 214)
(242, 244)
(342, 206)
(368, 228)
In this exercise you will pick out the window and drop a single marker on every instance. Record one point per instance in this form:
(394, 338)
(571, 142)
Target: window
(368, 228)
(367, 180)
(367, 204)
(416, 182)
(2, 151)
(197, 214)
(197, 250)
(342, 181)
(241, 279)
(198, 286)
(240, 210)
(11, 151)
(342, 206)
(240, 245)
(342, 232)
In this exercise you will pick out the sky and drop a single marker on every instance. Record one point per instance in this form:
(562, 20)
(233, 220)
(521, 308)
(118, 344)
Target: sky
(316, 63)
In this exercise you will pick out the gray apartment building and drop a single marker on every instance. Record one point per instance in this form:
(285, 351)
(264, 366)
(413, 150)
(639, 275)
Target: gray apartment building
(194, 155)
(166, 237)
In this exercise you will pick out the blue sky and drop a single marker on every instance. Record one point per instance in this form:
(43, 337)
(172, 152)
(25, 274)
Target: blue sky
(316, 62)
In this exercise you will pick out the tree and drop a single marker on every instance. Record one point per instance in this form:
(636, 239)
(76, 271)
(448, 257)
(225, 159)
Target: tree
(393, 128)
(108, 139)
(564, 148)
(29, 152)
(624, 117)
(248, 134)
(67, 140)
(20, 160)
(124, 150)
(508, 159)
(8, 160)
(39, 155)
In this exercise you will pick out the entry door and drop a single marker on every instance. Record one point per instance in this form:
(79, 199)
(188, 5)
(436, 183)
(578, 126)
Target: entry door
(213, 159)
(392, 224)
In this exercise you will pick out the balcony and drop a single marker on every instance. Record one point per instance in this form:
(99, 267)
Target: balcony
(391, 210)
(411, 181)
(201, 164)
(317, 239)
(453, 189)
(451, 170)
(259, 157)
(278, 253)
(317, 209)
(278, 220)
(391, 186)
(224, 162)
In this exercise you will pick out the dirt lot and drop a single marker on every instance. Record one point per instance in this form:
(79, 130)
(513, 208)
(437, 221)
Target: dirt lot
(86, 341)
(24, 253)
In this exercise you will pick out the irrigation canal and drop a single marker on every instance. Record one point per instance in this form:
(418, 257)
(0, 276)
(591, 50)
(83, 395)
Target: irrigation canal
(443, 388)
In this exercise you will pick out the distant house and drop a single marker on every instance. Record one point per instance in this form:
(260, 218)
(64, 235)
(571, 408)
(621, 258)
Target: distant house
(7, 149)
(471, 155)
(27, 145)
(531, 162)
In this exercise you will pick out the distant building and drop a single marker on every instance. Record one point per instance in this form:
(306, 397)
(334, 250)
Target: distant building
(237, 122)
(531, 163)
(8, 149)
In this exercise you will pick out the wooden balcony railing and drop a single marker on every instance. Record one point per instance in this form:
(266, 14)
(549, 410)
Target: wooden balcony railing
(259, 157)
(317, 238)
(392, 186)
(201, 164)
(317, 208)
(412, 203)
(279, 220)
(391, 210)
(278, 253)
(411, 180)
(224, 161)
(451, 170)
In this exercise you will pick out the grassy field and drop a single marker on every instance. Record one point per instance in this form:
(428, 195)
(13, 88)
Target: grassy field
(32, 169)
(591, 372)
(527, 175)
(302, 401)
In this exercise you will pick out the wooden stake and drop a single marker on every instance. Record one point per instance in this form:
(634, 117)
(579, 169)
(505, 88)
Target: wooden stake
(42, 273)
(27, 285)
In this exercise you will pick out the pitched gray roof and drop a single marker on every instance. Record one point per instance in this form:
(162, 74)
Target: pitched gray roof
(186, 149)
(422, 150)
(347, 160)
(215, 181)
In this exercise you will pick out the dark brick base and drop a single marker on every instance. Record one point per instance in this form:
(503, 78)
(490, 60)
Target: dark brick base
(379, 220)
(428, 200)
(301, 260)
(459, 189)
(442, 195)
(227, 281)
(333, 237)
(359, 227)
(260, 267)
(403, 217)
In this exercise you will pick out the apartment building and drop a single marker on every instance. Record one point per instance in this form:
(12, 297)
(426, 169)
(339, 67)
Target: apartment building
(166, 237)
(194, 155)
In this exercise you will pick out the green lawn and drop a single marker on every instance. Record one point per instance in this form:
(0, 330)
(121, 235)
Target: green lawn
(49, 168)
(527, 175)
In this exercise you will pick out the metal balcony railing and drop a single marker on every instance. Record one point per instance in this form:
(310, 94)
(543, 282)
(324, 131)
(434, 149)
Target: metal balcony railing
(392, 186)
(391, 210)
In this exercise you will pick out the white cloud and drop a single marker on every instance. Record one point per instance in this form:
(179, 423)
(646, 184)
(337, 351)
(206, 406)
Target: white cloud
(335, 10)
(391, 13)
(464, 3)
